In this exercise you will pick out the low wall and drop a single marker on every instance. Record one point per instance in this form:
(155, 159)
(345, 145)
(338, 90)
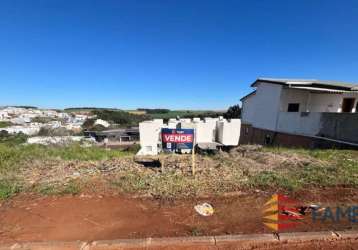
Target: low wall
(337, 126)
(252, 135)
(302, 123)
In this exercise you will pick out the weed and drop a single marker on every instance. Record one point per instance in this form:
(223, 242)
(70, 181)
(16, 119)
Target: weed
(267, 168)
(14, 157)
(195, 231)
(4, 124)
(72, 187)
(8, 188)
(47, 189)
(270, 179)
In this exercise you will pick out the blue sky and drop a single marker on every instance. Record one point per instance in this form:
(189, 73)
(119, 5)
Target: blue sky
(173, 54)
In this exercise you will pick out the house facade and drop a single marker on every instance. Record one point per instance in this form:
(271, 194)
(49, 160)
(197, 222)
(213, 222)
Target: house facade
(303, 110)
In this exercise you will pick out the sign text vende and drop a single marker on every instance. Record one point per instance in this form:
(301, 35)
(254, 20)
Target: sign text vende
(178, 138)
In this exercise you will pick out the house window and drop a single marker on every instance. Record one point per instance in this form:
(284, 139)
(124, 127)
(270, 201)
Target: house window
(293, 107)
(347, 105)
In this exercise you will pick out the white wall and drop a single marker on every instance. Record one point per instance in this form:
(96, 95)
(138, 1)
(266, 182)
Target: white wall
(204, 132)
(228, 133)
(293, 96)
(325, 102)
(299, 123)
(149, 134)
(248, 109)
(311, 102)
(265, 106)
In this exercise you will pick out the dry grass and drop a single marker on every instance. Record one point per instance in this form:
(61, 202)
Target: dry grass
(242, 168)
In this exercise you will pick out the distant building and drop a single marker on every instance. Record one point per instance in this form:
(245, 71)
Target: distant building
(119, 135)
(31, 129)
(102, 123)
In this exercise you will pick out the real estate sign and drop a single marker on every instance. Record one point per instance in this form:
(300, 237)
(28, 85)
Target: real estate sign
(173, 139)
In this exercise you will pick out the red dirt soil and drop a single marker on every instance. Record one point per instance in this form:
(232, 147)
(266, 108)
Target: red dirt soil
(29, 218)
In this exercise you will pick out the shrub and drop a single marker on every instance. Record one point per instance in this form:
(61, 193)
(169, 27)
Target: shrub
(4, 124)
(12, 139)
(154, 111)
(88, 124)
(233, 112)
(54, 132)
(8, 188)
(120, 117)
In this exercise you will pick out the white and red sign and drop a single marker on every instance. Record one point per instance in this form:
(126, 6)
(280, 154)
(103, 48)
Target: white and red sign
(177, 138)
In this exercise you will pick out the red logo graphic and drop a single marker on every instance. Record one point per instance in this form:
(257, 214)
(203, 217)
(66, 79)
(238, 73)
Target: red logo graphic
(281, 213)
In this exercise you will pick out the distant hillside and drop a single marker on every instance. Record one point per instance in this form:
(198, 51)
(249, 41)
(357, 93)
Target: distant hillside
(87, 109)
(186, 114)
(127, 118)
(24, 107)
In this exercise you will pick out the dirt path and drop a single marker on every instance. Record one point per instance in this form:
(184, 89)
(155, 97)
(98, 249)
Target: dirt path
(88, 218)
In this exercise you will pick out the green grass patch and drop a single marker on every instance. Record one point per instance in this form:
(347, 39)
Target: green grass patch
(169, 184)
(72, 187)
(14, 157)
(338, 168)
(270, 168)
(12, 139)
(8, 188)
(47, 189)
(18, 153)
(4, 124)
(270, 179)
(76, 152)
(331, 155)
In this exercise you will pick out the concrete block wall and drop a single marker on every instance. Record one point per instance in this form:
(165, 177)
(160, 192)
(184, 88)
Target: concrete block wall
(149, 136)
(339, 126)
(228, 133)
(205, 131)
(302, 123)
(252, 135)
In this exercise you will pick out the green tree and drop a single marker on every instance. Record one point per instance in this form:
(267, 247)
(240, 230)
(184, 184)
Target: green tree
(120, 117)
(88, 124)
(233, 112)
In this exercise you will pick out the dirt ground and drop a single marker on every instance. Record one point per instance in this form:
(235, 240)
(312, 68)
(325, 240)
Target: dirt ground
(84, 217)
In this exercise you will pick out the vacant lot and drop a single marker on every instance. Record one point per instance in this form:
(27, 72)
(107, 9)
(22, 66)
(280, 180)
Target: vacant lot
(75, 169)
(89, 193)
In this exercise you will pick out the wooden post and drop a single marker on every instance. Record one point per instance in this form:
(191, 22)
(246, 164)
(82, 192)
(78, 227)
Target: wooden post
(162, 164)
(193, 156)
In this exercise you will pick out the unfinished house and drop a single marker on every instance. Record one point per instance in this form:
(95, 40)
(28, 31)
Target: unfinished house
(300, 113)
